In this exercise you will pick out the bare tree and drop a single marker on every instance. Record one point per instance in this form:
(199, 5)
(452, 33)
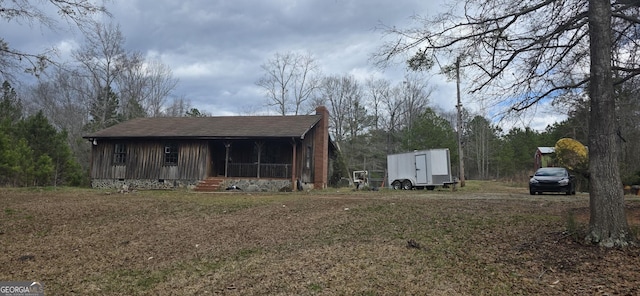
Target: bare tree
(392, 107)
(160, 85)
(102, 58)
(178, 108)
(343, 96)
(289, 81)
(78, 12)
(414, 94)
(608, 222)
(480, 136)
(350, 122)
(378, 91)
(378, 140)
(403, 106)
(61, 98)
(144, 86)
(628, 110)
(521, 53)
(132, 86)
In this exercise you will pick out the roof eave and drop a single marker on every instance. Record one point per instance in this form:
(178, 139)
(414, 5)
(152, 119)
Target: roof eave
(309, 128)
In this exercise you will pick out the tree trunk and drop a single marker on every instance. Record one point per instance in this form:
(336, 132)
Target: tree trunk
(608, 225)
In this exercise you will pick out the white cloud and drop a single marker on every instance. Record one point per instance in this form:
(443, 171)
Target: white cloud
(195, 70)
(65, 48)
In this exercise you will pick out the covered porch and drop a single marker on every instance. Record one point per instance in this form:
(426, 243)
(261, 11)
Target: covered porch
(261, 159)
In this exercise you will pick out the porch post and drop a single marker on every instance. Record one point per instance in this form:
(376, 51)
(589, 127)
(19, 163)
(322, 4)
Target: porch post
(294, 171)
(259, 145)
(226, 159)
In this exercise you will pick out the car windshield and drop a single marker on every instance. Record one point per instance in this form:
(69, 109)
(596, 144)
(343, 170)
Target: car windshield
(551, 172)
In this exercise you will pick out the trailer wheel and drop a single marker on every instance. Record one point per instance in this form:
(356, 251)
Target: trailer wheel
(406, 185)
(431, 187)
(396, 185)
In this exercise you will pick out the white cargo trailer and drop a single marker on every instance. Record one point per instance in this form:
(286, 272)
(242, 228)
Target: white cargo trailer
(419, 169)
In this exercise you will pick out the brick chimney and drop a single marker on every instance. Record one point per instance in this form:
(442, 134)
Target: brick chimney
(321, 150)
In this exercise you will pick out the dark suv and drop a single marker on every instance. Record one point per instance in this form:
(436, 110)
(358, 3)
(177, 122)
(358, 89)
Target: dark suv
(552, 180)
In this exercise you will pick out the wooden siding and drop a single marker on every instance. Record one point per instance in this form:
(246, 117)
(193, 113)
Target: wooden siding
(145, 160)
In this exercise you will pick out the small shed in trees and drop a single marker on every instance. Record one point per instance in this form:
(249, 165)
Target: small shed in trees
(543, 157)
(253, 153)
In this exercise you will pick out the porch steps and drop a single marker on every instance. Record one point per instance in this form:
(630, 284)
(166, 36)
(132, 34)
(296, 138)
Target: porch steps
(209, 184)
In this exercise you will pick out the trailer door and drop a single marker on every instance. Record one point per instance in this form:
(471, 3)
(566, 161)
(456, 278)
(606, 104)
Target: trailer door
(421, 169)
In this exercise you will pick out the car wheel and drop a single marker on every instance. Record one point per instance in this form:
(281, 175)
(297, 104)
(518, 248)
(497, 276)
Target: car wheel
(396, 185)
(406, 185)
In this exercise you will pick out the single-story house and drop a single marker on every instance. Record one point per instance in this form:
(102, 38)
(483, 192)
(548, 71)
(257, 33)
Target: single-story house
(543, 157)
(252, 153)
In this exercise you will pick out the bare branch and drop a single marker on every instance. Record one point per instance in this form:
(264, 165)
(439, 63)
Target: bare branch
(78, 12)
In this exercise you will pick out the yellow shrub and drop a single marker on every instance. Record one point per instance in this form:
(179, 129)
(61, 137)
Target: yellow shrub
(571, 154)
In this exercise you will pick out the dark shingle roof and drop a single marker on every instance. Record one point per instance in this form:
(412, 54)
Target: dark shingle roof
(211, 127)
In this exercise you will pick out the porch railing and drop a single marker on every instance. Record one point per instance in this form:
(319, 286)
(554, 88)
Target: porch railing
(263, 170)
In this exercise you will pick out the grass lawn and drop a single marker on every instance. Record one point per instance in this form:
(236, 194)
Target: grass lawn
(487, 238)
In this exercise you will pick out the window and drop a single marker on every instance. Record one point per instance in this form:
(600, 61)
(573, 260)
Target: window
(171, 154)
(308, 157)
(120, 154)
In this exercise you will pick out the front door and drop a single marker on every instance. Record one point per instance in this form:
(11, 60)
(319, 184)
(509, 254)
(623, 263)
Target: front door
(216, 159)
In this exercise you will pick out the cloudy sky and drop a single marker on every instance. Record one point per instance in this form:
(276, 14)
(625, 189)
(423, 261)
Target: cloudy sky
(215, 47)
